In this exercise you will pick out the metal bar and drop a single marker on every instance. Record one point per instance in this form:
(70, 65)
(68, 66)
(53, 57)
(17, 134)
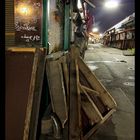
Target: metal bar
(67, 27)
(71, 23)
(84, 10)
(45, 37)
(91, 4)
(45, 24)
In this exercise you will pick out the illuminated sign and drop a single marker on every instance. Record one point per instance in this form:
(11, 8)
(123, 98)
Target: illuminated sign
(28, 15)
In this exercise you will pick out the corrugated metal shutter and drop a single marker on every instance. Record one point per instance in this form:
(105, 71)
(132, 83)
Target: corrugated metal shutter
(9, 29)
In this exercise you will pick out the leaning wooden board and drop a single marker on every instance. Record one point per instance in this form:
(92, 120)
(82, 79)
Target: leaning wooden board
(97, 98)
(57, 89)
(23, 89)
(96, 85)
(75, 126)
(34, 98)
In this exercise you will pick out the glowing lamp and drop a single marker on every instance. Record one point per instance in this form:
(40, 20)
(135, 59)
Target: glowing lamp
(24, 9)
(95, 30)
(111, 4)
(101, 35)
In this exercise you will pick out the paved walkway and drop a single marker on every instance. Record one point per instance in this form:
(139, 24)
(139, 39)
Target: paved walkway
(116, 72)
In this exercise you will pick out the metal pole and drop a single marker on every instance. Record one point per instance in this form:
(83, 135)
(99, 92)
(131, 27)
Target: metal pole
(45, 39)
(45, 24)
(67, 27)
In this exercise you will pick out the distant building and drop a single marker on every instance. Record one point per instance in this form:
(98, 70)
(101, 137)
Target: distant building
(121, 35)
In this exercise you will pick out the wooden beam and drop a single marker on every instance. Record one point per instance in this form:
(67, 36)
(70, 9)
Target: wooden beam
(95, 97)
(17, 49)
(87, 89)
(74, 101)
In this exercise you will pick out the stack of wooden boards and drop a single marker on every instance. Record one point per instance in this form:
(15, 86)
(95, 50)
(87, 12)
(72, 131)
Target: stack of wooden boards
(79, 103)
(79, 100)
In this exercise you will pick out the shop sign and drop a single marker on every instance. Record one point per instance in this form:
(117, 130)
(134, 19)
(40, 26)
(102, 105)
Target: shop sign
(28, 15)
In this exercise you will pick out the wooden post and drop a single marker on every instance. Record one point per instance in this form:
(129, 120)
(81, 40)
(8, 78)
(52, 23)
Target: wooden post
(74, 100)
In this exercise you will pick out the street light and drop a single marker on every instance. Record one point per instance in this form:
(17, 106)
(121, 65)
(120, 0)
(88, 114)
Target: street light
(79, 4)
(95, 29)
(101, 35)
(111, 4)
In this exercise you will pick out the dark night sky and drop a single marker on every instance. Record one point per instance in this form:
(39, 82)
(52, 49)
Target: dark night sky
(105, 19)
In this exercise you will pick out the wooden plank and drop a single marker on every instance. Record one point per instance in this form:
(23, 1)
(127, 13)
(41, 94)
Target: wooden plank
(90, 90)
(98, 125)
(98, 102)
(37, 94)
(30, 99)
(74, 52)
(94, 95)
(62, 59)
(56, 55)
(33, 105)
(17, 49)
(96, 85)
(64, 64)
(74, 106)
(66, 78)
(57, 90)
(89, 107)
